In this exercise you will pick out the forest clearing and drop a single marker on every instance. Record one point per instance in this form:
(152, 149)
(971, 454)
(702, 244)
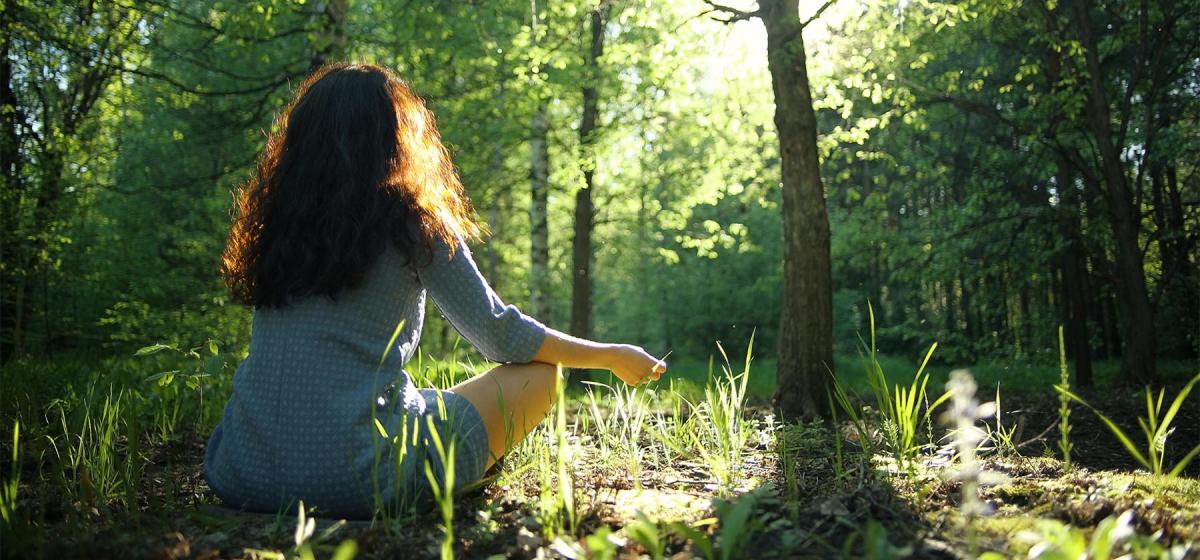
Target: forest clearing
(835, 278)
(644, 477)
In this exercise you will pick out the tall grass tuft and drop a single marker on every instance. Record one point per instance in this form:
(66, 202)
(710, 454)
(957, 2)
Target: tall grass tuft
(904, 409)
(90, 466)
(723, 429)
(674, 431)
(619, 433)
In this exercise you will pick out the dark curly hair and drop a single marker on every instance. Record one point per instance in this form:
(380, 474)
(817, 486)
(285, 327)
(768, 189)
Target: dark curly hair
(355, 161)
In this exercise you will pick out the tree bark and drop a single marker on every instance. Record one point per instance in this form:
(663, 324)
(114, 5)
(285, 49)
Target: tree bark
(10, 192)
(585, 211)
(331, 32)
(1075, 277)
(1137, 315)
(806, 319)
(539, 229)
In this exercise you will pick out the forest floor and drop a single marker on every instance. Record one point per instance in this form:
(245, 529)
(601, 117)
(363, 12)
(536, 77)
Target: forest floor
(797, 491)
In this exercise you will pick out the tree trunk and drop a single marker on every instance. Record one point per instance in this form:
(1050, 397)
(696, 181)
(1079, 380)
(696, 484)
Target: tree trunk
(806, 319)
(539, 230)
(585, 212)
(10, 195)
(1075, 277)
(331, 35)
(1137, 315)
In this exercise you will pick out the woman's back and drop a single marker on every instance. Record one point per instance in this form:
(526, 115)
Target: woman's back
(301, 421)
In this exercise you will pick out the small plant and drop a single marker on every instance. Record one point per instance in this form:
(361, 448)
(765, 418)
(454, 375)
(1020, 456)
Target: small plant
(734, 526)
(648, 534)
(854, 414)
(601, 545)
(962, 416)
(876, 543)
(566, 486)
(1156, 427)
(170, 385)
(1064, 403)
(305, 539)
(1114, 537)
(1002, 438)
(619, 432)
(787, 460)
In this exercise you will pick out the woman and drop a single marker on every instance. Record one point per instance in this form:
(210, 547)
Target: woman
(355, 214)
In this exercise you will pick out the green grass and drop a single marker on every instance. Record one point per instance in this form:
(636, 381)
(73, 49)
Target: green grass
(88, 427)
(690, 374)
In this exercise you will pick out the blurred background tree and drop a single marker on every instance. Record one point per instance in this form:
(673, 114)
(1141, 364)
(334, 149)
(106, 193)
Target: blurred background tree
(991, 168)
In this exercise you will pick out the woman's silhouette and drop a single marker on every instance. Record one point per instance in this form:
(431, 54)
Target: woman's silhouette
(354, 215)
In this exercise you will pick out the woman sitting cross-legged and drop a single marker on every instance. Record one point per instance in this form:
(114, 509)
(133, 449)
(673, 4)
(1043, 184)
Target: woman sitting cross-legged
(354, 215)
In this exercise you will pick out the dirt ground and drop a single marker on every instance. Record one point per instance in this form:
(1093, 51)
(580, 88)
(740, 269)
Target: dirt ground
(853, 509)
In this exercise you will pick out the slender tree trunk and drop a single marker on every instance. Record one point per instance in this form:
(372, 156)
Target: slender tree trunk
(331, 37)
(1075, 277)
(806, 319)
(539, 230)
(1137, 315)
(496, 214)
(10, 195)
(585, 211)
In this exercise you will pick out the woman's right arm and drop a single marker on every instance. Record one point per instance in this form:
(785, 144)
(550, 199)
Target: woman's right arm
(629, 363)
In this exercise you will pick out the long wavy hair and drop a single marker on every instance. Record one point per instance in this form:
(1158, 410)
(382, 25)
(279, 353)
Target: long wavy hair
(354, 162)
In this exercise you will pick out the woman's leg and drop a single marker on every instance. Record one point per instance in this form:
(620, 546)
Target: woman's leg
(512, 399)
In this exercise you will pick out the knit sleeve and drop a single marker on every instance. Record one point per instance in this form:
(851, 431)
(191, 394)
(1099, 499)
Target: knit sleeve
(501, 332)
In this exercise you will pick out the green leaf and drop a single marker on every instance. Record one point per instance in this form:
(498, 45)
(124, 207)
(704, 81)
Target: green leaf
(1183, 463)
(698, 539)
(152, 349)
(346, 551)
(1178, 402)
(1120, 434)
(391, 341)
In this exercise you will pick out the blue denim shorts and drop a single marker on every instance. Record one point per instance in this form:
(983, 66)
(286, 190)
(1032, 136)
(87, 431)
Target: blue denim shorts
(415, 420)
(432, 416)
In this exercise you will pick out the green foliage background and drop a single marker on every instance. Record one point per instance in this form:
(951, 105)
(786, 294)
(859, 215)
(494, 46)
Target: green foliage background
(938, 160)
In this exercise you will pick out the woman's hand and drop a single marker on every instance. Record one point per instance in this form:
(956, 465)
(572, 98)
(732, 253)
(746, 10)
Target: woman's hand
(628, 362)
(633, 365)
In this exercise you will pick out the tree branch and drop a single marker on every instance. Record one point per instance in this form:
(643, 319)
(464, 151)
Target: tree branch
(734, 15)
(818, 13)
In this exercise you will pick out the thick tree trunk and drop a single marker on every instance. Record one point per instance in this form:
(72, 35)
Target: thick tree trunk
(1137, 315)
(806, 320)
(585, 212)
(539, 229)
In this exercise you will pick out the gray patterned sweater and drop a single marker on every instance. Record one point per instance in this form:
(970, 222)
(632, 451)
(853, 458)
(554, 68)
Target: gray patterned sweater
(300, 420)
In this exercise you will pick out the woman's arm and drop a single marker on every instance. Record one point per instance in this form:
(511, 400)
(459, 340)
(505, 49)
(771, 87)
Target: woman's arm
(503, 334)
(629, 363)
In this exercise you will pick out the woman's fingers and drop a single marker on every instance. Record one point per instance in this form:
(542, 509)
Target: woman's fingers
(659, 368)
(637, 366)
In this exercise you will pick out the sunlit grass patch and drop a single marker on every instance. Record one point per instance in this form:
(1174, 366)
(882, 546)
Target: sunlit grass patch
(658, 470)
